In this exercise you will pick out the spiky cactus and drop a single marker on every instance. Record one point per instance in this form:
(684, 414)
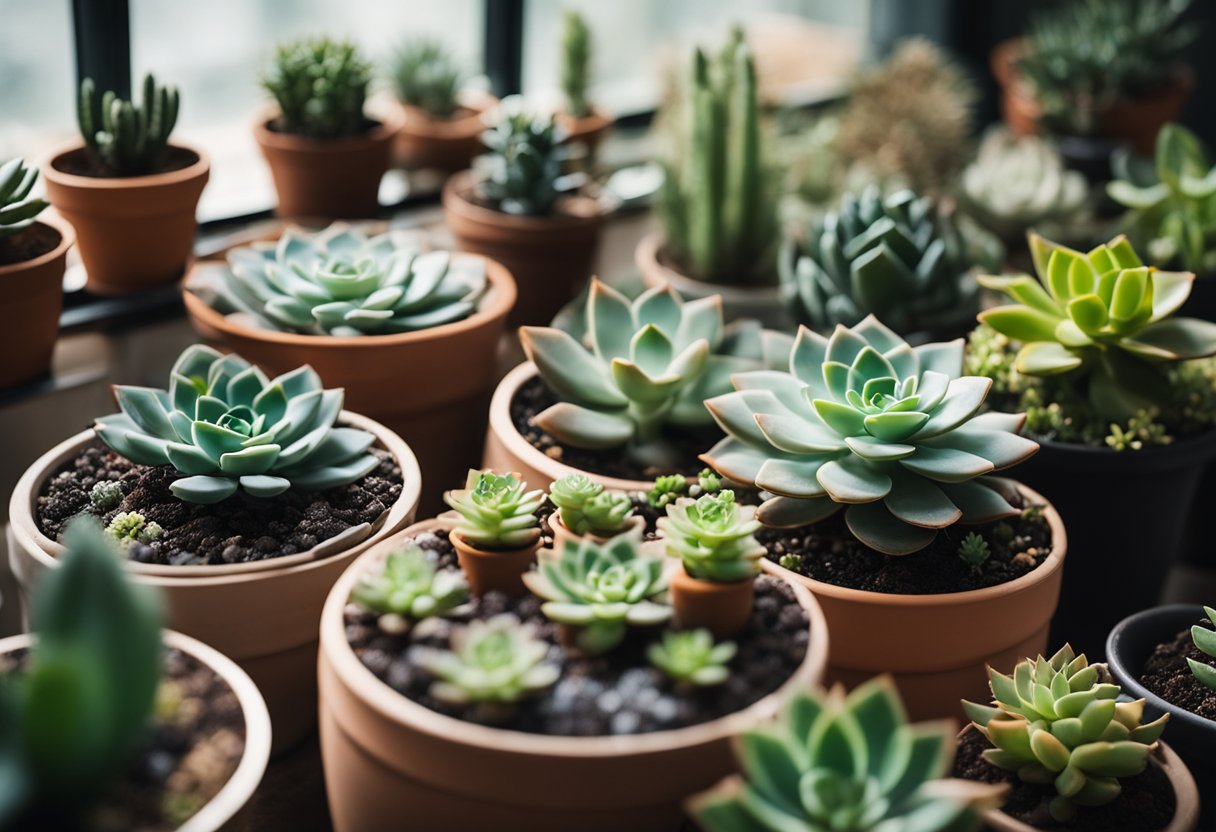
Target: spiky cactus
(126, 138)
(576, 63)
(320, 85)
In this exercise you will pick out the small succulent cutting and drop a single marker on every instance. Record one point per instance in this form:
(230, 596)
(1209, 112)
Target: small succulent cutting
(320, 85)
(499, 660)
(691, 657)
(341, 282)
(586, 508)
(129, 527)
(1205, 640)
(427, 75)
(522, 172)
(837, 762)
(713, 536)
(225, 426)
(125, 138)
(18, 209)
(1057, 721)
(974, 551)
(864, 421)
(496, 510)
(411, 587)
(1103, 317)
(602, 589)
(575, 63)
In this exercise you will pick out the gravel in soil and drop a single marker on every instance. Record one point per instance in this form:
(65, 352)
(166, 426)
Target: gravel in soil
(34, 241)
(1167, 674)
(619, 693)
(1146, 804)
(80, 163)
(237, 530)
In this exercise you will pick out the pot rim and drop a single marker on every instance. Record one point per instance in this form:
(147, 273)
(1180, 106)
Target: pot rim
(199, 168)
(646, 257)
(462, 128)
(388, 703)
(1158, 455)
(456, 201)
(388, 124)
(67, 238)
(244, 781)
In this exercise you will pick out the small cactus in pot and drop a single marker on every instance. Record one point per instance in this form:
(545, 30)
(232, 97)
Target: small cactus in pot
(497, 531)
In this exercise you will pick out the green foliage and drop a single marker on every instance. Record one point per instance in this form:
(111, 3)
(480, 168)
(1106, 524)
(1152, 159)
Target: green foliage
(105, 496)
(791, 561)
(1205, 640)
(410, 586)
(225, 425)
(1057, 721)
(125, 138)
(320, 85)
(496, 512)
(129, 527)
(708, 481)
(427, 75)
(498, 660)
(690, 657)
(586, 508)
(713, 536)
(576, 63)
(974, 551)
(341, 282)
(18, 209)
(666, 489)
(522, 171)
(863, 420)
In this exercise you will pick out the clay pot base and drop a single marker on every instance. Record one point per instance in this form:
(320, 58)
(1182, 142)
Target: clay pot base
(494, 571)
(1167, 674)
(722, 608)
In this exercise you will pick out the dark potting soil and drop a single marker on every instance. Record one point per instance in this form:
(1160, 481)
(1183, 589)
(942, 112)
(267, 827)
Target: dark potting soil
(193, 748)
(1146, 804)
(619, 693)
(34, 241)
(239, 529)
(80, 163)
(1167, 674)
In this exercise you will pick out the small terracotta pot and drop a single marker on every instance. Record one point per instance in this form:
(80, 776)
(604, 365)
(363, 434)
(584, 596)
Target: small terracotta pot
(588, 130)
(446, 144)
(327, 179)
(549, 257)
(134, 232)
(31, 300)
(249, 770)
(388, 758)
(262, 614)
(494, 571)
(721, 607)
(563, 535)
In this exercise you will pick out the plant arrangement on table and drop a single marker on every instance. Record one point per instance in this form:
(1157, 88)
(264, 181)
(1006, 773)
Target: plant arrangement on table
(581, 122)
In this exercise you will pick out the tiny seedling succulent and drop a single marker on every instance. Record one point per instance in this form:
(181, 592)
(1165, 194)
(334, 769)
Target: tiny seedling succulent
(320, 85)
(1104, 317)
(427, 75)
(496, 511)
(105, 496)
(1205, 640)
(713, 536)
(18, 209)
(129, 527)
(974, 551)
(666, 489)
(586, 508)
(691, 657)
(125, 138)
(499, 660)
(411, 587)
(576, 63)
(226, 426)
(1057, 721)
(522, 172)
(863, 420)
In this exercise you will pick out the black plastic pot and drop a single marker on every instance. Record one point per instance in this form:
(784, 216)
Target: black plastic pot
(1201, 525)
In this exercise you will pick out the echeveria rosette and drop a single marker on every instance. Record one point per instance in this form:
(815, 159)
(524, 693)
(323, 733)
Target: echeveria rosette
(691, 657)
(713, 536)
(1103, 316)
(863, 420)
(496, 510)
(226, 426)
(410, 586)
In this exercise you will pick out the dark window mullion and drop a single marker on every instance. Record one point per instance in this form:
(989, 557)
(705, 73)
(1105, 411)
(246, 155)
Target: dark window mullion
(103, 43)
(504, 45)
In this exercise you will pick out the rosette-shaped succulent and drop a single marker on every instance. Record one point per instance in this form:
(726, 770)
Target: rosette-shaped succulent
(226, 426)
(410, 586)
(1104, 316)
(496, 511)
(899, 257)
(499, 660)
(714, 536)
(18, 209)
(865, 421)
(586, 508)
(691, 657)
(341, 282)
(1204, 639)
(1057, 721)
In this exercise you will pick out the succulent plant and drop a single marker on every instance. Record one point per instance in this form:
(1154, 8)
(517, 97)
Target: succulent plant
(1057, 721)
(320, 85)
(1205, 640)
(713, 536)
(1104, 317)
(836, 762)
(899, 257)
(522, 172)
(225, 426)
(18, 209)
(498, 660)
(691, 657)
(575, 63)
(125, 138)
(132, 527)
(974, 551)
(105, 496)
(427, 75)
(341, 282)
(496, 511)
(586, 508)
(601, 588)
(666, 489)
(863, 420)
(410, 586)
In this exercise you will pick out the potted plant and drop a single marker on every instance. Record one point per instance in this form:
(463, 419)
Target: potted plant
(581, 122)
(242, 497)
(373, 315)
(1092, 350)
(326, 154)
(33, 255)
(129, 194)
(585, 508)
(1072, 754)
(454, 719)
(106, 716)
(498, 533)
(874, 451)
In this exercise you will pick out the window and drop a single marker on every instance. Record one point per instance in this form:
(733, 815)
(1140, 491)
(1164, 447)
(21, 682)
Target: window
(37, 78)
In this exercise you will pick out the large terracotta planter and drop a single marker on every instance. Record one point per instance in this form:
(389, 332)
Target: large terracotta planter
(31, 299)
(549, 257)
(445, 144)
(429, 386)
(327, 179)
(244, 781)
(262, 614)
(134, 232)
(388, 758)
(936, 647)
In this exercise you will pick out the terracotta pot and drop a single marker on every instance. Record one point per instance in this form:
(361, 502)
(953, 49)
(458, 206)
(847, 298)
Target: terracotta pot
(388, 758)
(446, 144)
(262, 614)
(327, 179)
(763, 303)
(252, 765)
(134, 232)
(936, 646)
(588, 130)
(31, 299)
(550, 257)
(429, 386)
(562, 534)
(494, 571)
(722, 608)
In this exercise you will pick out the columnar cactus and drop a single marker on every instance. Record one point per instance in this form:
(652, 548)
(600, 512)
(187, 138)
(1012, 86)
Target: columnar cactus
(18, 209)
(126, 138)
(427, 75)
(320, 85)
(496, 511)
(713, 536)
(499, 660)
(575, 63)
(410, 586)
(522, 172)
(1204, 639)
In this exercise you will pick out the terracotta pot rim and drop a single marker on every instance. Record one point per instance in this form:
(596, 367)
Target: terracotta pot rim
(501, 299)
(456, 200)
(379, 697)
(244, 780)
(648, 261)
(387, 125)
(454, 128)
(199, 168)
(67, 238)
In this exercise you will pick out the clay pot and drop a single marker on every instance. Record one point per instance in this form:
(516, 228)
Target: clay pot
(134, 232)
(494, 571)
(550, 257)
(446, 144)
(722, 608)
(588, 130)
(249, 770)
(388, 758)
(327, 179)
(429, 386)
(31, 299)
(262, 614)
(562, 534)
(936, 647)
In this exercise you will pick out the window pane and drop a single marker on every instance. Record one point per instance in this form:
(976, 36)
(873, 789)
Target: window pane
(37, 78)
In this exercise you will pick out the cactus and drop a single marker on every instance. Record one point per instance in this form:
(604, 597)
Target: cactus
(17, 208)
(125, 138)
(320, 86)
(426, 74)
(576, 63)
(522, 172)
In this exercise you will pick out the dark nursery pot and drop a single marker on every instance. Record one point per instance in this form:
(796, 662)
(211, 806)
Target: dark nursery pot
(1201, 525)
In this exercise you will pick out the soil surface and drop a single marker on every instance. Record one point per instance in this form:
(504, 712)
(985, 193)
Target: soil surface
(239, 529)
(619, 693)
(193, 748)
(1167, 674)
(1146, 804)
(81, 163)
(25, 245)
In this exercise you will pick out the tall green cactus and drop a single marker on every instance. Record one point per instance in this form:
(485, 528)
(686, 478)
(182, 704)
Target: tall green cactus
(125, 138)
(576, 63)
